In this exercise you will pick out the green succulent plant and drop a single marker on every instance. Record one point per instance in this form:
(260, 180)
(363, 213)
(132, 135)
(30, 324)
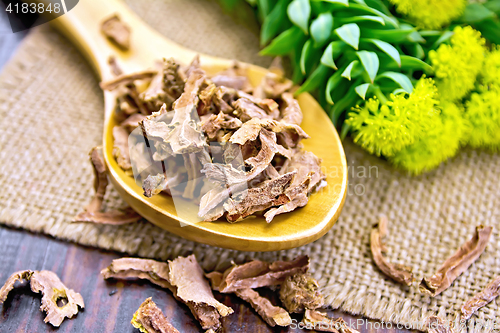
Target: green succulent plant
(345, 51)
(404, 93)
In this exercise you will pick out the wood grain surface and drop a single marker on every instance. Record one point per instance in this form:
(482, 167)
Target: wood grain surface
(109, 305)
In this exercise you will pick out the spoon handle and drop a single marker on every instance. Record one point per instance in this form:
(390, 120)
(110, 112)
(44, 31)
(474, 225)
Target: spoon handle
(82, 26)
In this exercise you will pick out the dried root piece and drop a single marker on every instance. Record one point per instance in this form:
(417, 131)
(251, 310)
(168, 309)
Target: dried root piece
(489, 293)
(132, 122)
(120, 147)
(247, 110)
(309, 178)
(189, 286)
(183, 134)
(135, 268)
(114, 217)
(183, 276)
(125, 79)
(53, 290)
(269, 193)
(299, 292)
(92, 212)
(272, 86)
(100, 179)
(153, 185)
(117, 32)
(256, 274)
(319, 321)
(251, 129)
(9, 284)
(273, 315)
(150, 319)
(292, 113)
(435, 324)
(398, 273)
(227, 175)
(235, 77)
(199, 117)
(215, 279)
(457, 263)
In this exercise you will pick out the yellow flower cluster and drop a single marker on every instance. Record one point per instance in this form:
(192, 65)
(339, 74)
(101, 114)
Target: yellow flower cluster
(483, 112)
(483, 108)
(441, 142)
(490, 75)
(416, 132)
(386, 129)
(457, 65)
(430, 14)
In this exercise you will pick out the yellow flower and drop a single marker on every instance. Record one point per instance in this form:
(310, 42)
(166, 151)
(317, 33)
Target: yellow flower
(457, 65)
(483, 112)
(386, 129)
(430, 14)
(490, 74)
(441, 142)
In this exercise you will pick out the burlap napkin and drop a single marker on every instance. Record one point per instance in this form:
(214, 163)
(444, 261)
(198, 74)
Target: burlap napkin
(51, 115)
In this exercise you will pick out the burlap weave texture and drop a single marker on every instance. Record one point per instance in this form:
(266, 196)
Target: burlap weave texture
(51, 114)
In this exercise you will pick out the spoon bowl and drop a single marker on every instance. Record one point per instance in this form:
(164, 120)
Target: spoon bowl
(82, 26)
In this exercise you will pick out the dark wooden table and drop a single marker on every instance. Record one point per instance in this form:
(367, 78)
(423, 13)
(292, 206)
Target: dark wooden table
(109, 305)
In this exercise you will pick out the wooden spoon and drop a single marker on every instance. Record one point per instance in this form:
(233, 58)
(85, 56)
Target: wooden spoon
(82, 26)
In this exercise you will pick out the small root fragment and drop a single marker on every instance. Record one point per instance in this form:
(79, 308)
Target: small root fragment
(150, 319)
(398, 273)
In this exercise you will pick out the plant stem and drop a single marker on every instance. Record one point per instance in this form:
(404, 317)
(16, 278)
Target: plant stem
(380, 95)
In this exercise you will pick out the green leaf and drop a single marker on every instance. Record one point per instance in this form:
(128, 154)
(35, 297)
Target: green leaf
(378, 5)
(295, 55)
(306, 51)
(443, 38)
(299, 12)
(401, 79)
(490, 29)
(493, 5)
(332, 84)
(264, 7)
(333, 50)
(399, 91)
(363, 18)
(362, 89)
(393, 36)
(341, 2)
(273, 23)
(370, 62)
(416, 50)
(349, 33)
(284, 43)
(476, 12)
(321, 28)
(409, 63)
(415, 37)
(430, 33)
(345, 103)
(368, 9)
(387, 48)
(345, 129)
(314, 80)
(348, 72)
